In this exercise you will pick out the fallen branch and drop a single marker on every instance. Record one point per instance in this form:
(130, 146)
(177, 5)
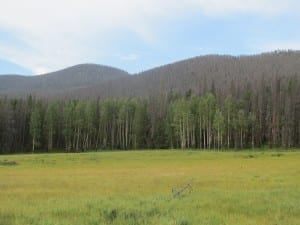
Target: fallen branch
(176, 192)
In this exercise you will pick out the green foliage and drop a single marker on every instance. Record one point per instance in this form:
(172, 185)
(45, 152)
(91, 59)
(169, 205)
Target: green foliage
(188, 122)
(69, 118)
(51, 118)
(140, 126)
(36, 126)
(219, 127)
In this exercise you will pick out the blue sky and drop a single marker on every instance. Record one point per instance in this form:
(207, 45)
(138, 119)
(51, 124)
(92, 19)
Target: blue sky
(135, 35)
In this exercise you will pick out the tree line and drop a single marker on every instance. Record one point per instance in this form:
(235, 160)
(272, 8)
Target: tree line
(185, 121)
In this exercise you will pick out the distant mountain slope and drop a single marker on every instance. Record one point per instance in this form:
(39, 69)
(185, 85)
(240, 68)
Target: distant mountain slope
(70, 78)
(220, 74)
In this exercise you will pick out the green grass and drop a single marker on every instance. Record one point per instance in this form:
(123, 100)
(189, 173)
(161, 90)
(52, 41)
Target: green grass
(246, 188)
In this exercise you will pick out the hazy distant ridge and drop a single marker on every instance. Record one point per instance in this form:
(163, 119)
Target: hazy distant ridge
(220, 74)
(73, 77)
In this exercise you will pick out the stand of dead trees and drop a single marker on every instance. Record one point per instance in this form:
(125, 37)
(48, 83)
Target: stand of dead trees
(265, 117)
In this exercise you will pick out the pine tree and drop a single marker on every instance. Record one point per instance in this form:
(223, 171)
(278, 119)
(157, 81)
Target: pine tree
(219, 127)
(35, 127)
(68, 119)
(50, 123)
(90, 124)
(229, 113)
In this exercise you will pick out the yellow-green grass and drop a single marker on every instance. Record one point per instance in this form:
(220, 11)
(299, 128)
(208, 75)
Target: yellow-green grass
(134, 187)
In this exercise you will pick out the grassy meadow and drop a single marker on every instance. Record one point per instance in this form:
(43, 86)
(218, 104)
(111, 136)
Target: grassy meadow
(135, 187)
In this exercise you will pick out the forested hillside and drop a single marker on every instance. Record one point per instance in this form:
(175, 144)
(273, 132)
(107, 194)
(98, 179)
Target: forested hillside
(222, 75)
(207, 102)
(57, 82)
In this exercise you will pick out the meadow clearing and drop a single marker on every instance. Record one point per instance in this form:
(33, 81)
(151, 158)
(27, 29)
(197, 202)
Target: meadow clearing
(135, 187)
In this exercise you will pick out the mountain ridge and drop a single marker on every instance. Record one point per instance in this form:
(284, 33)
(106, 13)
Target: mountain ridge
(68, 78)
(223, 74)
(216, 73)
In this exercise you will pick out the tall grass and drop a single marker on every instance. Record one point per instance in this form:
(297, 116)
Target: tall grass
(136, 188)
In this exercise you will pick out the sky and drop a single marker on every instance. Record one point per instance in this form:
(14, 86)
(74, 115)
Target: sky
(37, 36)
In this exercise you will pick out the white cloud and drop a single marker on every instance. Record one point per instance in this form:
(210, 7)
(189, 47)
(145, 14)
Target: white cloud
(40, 70)
(59, 33)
